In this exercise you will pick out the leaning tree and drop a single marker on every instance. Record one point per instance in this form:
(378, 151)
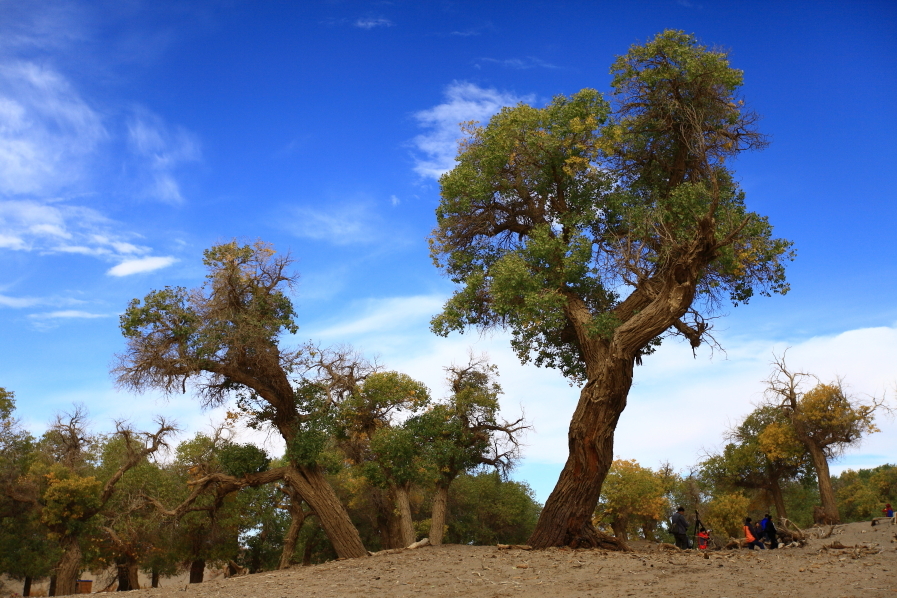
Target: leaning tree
(223, 339)
(591, 230)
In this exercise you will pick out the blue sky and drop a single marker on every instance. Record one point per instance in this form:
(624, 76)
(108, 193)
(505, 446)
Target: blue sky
(133, 135)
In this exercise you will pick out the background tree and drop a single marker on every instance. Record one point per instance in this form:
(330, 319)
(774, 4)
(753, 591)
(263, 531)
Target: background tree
(484, 509)
(632, 498)
(825, 420)
(26, 553)
(223, 339)
(862, 494)
(465, 432)
(63, 488)
(743, 464)
(386, 450)
(590, 234)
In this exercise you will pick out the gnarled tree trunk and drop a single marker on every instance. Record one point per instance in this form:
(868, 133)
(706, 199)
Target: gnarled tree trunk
(127, 575)
(437, 519)
(826, 492)
(312, 486)
(68, 567)
(403, 506)
(566, 519)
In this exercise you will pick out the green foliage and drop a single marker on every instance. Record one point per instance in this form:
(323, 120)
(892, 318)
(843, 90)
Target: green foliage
(550, 211)
(484, 509)
(862, 494)
(240, 459)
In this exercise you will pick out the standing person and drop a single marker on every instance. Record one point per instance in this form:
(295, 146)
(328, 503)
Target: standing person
(750, 534)
(680, 528)
(888, 511)
(769, 531)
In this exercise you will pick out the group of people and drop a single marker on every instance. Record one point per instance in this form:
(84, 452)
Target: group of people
(756, 534)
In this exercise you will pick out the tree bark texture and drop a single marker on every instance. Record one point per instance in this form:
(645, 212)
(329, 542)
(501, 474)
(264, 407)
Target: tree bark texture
(26, 589)
(127, 576)
(619, 527)
(197, 570)
(52, 590)
(775, 489)
(566, 519)
(437, 519)
(292, 536)
(403, 506)
(316, 491)
(154, 578)
(68, 567)
(826, 493)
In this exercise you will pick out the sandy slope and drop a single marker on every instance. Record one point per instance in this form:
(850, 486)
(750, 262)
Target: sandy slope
(478, 571)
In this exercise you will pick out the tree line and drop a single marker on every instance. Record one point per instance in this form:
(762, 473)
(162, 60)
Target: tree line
(126, 501)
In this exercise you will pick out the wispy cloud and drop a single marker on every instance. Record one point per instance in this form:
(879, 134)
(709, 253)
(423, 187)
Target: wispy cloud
(23, 302)
(160, 150)
(346, 224)
(529, 62)
(372, 22)
(48, 133)
(144, 264)
(66, 314)
(463, 102)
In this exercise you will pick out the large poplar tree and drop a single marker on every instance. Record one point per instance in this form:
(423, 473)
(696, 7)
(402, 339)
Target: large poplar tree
(223, 339)
(591, 230)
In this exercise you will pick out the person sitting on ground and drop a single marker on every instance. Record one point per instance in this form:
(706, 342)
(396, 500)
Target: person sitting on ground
(751, 535)
(680, 528)
(888, 511)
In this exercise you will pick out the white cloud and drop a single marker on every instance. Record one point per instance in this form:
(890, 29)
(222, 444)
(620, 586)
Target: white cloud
(160, 150)
(56, 227)
(464, 102)
(48, 133)
(20, 302)
(345, 224)
(67, 313)
(372, 22)
(144, 264)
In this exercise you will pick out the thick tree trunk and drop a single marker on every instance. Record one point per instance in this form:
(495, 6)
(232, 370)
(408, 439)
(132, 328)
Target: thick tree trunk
(403, 506)
(826, 493)
(289, 541)
(619, 527)
(387, 524)
(197, 570)
(316, 491)
(566, 519)
(437, 519)
(127, 575)
(68, 567)
(154, 578)
(52, 590)
(26, 589)
(775, 489)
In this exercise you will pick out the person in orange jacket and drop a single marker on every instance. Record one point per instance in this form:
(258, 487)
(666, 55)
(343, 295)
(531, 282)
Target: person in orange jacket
(752, 535)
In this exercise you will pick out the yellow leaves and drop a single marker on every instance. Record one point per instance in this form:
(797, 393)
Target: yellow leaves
(779, 442)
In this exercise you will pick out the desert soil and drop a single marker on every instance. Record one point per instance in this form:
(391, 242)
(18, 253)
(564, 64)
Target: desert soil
(866, 568)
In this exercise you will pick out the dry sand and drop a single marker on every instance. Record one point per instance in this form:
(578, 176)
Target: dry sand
(868, 569)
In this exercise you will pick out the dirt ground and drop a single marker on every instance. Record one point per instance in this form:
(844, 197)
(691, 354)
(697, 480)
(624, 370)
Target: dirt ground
(866, 568)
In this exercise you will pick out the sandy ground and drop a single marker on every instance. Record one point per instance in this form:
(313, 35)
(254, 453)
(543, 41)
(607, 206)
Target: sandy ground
(867, 568)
